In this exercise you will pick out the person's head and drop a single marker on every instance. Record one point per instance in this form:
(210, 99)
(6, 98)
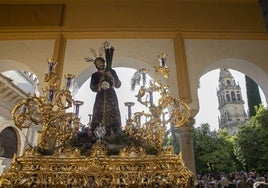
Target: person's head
(260, 184)
(250, 182)
(99, 63)
(224, 182)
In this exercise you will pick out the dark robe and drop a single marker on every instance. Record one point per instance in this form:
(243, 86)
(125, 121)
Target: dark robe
(106, 107)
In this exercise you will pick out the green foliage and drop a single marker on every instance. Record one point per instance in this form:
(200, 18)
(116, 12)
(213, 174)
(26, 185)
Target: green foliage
(250, 144)
(247, 150)
(174, 139)
(213, 151)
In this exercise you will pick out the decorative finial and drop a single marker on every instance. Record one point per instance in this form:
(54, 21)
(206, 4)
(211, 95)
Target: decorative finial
(106, 45)
(51, 64)
(68, 80)
(162, 59)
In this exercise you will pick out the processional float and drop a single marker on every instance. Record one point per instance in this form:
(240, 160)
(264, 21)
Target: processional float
(57, 162)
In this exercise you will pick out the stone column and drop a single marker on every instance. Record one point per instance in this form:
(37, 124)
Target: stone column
(186, 144)
(4, 164)
(1, 165)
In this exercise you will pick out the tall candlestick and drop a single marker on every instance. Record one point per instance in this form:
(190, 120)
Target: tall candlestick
(77, 105)
(143, 73)
(151, 98)
(129, 104)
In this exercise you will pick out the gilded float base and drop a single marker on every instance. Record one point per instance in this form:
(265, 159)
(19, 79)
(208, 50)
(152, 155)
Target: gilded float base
(67, 168)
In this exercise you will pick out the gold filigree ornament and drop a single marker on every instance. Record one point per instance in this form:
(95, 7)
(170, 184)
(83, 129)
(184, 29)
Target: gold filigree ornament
(55, 163)
(152, 130)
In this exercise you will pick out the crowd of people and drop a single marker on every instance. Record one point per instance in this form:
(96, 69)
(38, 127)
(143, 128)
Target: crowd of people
(232, 180)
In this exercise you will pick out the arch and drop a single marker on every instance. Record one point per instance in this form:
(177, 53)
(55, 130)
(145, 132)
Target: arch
(233, 96)
(16, 70)
(6, 65)
(228, 97)
(238, 96)
(222, 99)
(246, 67)
(5, 123)
(9, 142)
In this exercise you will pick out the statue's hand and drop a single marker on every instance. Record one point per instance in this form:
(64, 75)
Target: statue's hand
(110, 75)
(105, 85)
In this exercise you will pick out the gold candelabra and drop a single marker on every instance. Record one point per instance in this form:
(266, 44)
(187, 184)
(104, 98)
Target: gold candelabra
(154, 128)
(49, 112)
(56, 163)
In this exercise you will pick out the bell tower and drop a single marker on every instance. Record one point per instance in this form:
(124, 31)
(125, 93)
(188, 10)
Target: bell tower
(231, 104)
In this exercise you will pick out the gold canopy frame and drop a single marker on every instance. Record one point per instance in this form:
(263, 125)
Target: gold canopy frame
(55, 162)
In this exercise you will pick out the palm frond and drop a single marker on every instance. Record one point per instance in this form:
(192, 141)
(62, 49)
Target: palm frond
(89, 59)
(93, 52)
(101, 51)
(135, 80)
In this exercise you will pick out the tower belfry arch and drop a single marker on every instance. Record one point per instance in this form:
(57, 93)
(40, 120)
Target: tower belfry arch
(231, 103)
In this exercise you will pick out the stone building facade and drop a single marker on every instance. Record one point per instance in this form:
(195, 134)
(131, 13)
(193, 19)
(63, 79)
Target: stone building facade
(231, 103)
(12, 139)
